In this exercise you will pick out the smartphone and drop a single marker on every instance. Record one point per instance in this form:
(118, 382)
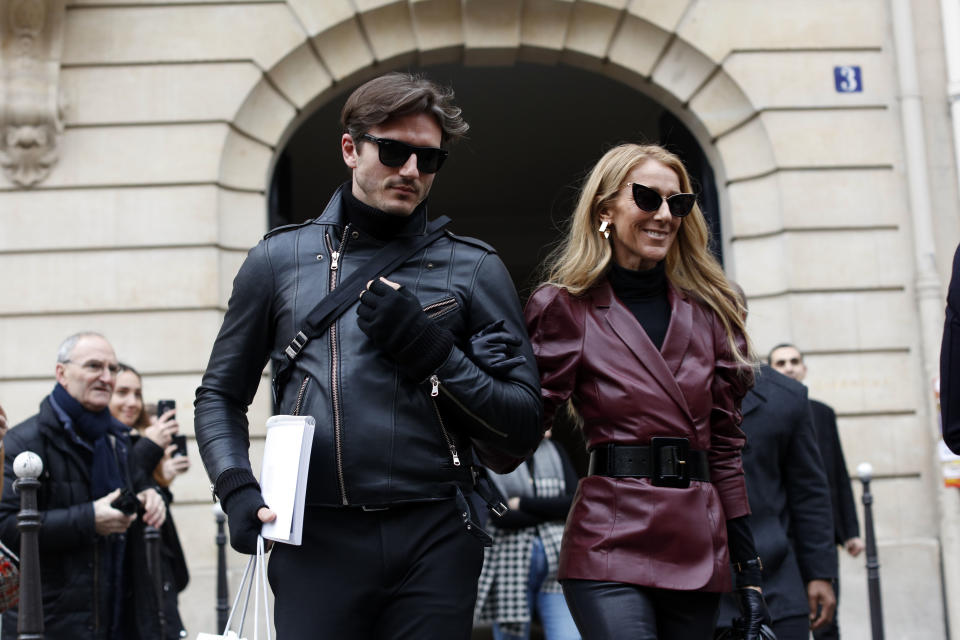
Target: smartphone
(181, 442)
(165, 405)
(127, 503)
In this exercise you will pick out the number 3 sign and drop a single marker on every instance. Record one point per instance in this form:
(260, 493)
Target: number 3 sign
(847, 79)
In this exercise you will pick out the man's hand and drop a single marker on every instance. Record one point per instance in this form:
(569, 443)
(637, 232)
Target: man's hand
(393, 319)
(246, 513)
(822, 602)
(155, 508)
(106, 519)
(854, 546)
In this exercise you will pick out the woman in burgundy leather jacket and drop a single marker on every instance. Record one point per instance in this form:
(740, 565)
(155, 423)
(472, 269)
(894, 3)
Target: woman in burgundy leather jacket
(639, 333)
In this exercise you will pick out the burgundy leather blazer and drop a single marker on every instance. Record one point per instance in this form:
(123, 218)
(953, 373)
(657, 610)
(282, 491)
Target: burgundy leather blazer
(591, 349)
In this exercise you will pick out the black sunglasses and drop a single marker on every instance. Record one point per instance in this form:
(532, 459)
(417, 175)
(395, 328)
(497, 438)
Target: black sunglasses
(394, 153)
(680, 204)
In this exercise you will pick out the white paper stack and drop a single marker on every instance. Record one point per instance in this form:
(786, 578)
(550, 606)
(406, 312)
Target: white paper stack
(283, 477)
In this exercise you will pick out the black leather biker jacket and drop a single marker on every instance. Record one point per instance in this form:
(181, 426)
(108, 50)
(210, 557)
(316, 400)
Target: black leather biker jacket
(380, 438)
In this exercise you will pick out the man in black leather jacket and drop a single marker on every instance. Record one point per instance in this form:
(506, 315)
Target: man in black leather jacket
(431, 364)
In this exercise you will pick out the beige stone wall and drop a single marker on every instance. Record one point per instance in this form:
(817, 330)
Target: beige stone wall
(175, 111)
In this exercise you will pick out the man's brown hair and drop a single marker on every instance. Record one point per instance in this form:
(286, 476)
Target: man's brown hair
(400, 94)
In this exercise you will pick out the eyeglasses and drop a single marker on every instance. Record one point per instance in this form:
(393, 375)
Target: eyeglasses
(95, 367)
(680, 204)
(783, 362)
(394, 153)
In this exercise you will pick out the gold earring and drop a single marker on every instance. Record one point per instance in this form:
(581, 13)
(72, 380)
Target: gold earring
(603, 229)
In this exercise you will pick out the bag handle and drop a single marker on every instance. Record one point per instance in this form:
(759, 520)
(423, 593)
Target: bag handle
(345, 294)
(256, 564)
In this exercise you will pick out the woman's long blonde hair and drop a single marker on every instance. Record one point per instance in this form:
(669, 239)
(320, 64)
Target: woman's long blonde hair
(584, 255)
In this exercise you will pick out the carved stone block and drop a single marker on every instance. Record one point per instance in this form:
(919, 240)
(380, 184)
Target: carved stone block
(31, 109)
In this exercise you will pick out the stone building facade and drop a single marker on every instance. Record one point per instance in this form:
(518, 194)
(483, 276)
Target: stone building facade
(140, 139)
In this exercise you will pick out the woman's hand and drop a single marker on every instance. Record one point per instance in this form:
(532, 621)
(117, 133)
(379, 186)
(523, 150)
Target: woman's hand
(161, 432)
(172, 466)
(753, 612)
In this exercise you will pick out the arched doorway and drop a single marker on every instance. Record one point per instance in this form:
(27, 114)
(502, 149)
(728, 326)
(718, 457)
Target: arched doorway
(535, 132)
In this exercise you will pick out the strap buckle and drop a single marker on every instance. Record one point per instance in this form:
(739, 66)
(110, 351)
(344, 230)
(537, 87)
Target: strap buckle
(488, 491)
(296, 345)
(669, 464)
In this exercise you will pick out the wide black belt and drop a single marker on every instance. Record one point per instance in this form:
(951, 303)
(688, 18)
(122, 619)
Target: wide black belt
(668, 462)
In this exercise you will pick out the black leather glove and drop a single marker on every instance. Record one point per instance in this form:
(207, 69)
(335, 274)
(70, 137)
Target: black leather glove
(495, 350)
(753, 613)
(241, 499)
(395, 322)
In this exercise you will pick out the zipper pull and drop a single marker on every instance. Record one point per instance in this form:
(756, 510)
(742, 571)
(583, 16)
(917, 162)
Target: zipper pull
(456, 458)
(435, 391)
(334, 260)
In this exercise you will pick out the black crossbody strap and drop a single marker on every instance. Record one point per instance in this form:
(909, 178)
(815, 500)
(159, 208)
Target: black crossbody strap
(347, 292)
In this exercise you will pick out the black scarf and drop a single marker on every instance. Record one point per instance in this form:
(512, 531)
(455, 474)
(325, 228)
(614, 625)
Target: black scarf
(107, 469)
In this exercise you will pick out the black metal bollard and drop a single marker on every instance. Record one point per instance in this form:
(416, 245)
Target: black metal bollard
(28, 466)
(151, 537)
(223, 607)
(865, 471)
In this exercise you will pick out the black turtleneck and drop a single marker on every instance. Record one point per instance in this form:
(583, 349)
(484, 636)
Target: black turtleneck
(379, 224)
(645, 294)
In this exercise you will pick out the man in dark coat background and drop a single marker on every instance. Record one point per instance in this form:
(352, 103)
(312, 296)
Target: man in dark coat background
(87, 564)
(950, 362)
(790, 508)
(788, 360)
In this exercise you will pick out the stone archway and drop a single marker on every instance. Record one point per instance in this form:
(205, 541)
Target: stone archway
(641, 51)
(640, 48)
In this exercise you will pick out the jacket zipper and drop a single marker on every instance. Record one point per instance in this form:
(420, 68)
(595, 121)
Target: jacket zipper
(303, 387)
(441, 307)
(434, 392)
(335, 257)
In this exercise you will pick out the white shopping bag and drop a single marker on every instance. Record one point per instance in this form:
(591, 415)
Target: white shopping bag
(257, 573)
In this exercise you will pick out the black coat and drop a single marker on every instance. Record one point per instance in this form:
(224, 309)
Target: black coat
(950, 363)
(789, 498)
(71, 552)
(845, 524)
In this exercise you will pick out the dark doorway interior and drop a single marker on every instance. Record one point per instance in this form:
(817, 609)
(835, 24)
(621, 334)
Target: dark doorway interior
(535, 132)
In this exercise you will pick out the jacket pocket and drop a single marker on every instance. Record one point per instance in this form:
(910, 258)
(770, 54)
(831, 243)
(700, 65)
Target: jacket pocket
(441, 307)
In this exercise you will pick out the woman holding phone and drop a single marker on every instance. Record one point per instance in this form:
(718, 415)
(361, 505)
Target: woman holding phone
(155, 451)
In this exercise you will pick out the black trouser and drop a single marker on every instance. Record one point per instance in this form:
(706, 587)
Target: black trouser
(792, 628)
(406, 572)
(619, 611)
